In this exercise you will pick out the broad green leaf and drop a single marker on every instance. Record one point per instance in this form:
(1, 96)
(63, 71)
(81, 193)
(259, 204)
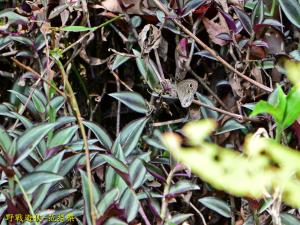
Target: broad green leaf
(130, 135)
(100, 134)
(57, 196)
(276, 106)
(56, 103)
(114, 180)
(244, 19)
(63, 137)
(114, 221)
(266, 204)
(24, 100)
(30, 139)
(5, 140)
(26, 122)
(258, 13)
(182, 186)
(69, 163)
(216, 205)
(86, 195)
(107, 201)
(115, 163)
(50, 165)
(155, 171)
(231, 125)
(291, 9)
(178, 219)
(130, 203)
(119, 60)
(137, 173)
(146, 70)
(33, 180)
(292, 112)
(289, 219)
(207, 113)
(191, 6)
(38, 104)
(13, 17)
(133, 100)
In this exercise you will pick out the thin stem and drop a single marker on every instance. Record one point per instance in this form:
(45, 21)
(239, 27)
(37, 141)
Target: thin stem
(164, 206)
(26, 199)
(233, 115)
(75, 108)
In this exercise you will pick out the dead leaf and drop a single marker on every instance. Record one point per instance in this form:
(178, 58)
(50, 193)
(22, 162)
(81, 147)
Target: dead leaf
(215, 29)
(236, 86)
(92, 60)
(132, 6)
(163, 49)
(149, 38)
(181, 59)
(257, 74)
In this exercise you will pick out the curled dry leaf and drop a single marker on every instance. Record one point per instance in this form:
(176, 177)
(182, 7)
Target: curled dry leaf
(215, 29)
(181, 59)
(92, 60)
(149, 38)
(163, 49)
(132, 6)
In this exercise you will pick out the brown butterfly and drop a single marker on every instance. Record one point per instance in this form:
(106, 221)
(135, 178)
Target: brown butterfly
(186, 90)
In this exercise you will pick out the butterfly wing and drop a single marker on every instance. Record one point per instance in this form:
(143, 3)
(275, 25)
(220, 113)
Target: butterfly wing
(186, 90)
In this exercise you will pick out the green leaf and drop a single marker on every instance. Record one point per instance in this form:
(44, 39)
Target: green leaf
(78, 28)
(276, 106)
(5, 140)
(146, 70)
(86, 195)
(63, 137)
(291, 9)
(100, 134)
(289, 219)
(182, 186)
(133, 100)
(50, 165)
(24, 100)
(30, 139)
(13, 17)
(68, 164)
(244, 19)
(114, 221)
(292, 112)
(38, 104)
(119, 60)
(33, 180)
(130, 135)
(178, 219)
(116, 164)
(258, 13)
(137, 173)
(107, 201)
(207, 113)
(216, 205)
(130, 203)
(231, 125)
(57, 196)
